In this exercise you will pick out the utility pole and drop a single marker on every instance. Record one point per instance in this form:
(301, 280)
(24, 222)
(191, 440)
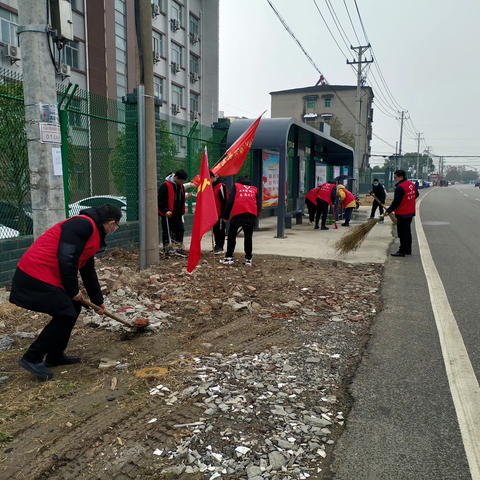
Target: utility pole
(427, 162)
(41, 115)
(418, 154)
(359, 63)
(401, 136)
(146, 78)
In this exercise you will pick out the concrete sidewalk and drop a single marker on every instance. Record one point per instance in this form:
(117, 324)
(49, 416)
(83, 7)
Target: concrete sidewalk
(304, 241)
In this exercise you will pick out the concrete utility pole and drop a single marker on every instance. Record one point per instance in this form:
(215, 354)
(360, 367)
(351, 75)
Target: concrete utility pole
(359, 63)
(418, 154)
(41, 115)
(146, 77)
(400, 144)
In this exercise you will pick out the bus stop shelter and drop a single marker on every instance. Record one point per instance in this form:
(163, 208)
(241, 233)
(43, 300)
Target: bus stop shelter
(290, 157)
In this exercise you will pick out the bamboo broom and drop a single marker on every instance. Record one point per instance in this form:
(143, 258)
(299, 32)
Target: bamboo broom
(392, 218)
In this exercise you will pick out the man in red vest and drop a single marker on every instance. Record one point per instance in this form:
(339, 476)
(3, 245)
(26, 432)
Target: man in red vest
(311, 202)
(243, 205)
(171, 207)
(46, 280)
(404, 207)
(221, 196)
(325, 198)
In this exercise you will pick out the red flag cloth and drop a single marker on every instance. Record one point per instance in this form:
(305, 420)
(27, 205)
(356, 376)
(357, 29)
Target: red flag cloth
(205, 214)
(235, 155)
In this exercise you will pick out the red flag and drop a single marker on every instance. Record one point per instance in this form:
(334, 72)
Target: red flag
(235, 155)
(205, 214)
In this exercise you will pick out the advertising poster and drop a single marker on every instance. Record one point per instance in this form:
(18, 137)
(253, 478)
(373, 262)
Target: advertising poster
(345, 172)
(336, 172)
(320, 174)
(271, 171)
(301, 187)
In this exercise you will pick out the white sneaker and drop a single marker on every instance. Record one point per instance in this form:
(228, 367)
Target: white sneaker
(227, 261)
(248, 263)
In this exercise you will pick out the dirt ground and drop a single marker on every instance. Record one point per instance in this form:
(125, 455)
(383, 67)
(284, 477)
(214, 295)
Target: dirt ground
(93, 423)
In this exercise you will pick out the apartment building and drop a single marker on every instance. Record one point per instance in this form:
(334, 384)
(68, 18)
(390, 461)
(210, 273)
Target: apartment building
(318, 104)
(102, 58)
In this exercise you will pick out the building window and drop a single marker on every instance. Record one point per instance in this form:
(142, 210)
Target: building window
(177, 53)
(327, 102)
(311, 103)
(157, 42)
(177, 12)
(70, 54)
(158, 3)
(177, 132)
(177, 95)
(158, 87)
(8, 27)
(194, 64)
(194, 102)
(194, 25)
(121, 50)
(74, 4)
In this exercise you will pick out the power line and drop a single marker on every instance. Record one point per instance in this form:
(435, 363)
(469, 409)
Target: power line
(338, 25)
(351, 23)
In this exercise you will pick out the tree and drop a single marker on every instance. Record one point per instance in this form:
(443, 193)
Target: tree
(460, 174)
(408, 162)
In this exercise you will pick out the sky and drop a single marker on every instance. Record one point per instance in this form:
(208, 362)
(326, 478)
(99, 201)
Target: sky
(424, 54)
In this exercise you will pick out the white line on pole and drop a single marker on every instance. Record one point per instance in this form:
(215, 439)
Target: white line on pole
(461, 376)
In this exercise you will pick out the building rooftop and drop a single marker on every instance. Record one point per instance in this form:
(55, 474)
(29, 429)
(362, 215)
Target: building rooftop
(321, 89)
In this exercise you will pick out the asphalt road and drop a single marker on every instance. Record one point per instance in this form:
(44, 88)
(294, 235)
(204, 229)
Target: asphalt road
(404, 424)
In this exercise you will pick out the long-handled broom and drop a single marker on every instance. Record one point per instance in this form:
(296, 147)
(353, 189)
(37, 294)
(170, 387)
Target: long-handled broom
(355, 237)
(392, 217)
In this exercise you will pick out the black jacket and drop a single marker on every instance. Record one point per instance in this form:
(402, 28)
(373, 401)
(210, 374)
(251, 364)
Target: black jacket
(379, 192)
(33, 294)
(178, 200)
(397, 200)
(222, 194)
(242, 219)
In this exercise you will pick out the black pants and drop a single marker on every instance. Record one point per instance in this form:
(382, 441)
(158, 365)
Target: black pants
(374, 209)
(219, 233)
(232, 240)
(348, 214)
(53, 339)
(404, 230)
(177, 229)
(322, 209)
(312, 209)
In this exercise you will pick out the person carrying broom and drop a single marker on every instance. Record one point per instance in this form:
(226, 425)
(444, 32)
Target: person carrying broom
(348, 202)
(404, 207)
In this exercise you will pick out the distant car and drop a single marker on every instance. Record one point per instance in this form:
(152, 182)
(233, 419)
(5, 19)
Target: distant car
(97, 201)
(477, 184)
(6, 232)
(420, 182)
(10, 218)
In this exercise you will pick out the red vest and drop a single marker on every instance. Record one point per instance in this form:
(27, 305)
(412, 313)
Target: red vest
(407, 204)
(218, 204)
(348, 198)
(171, 198)
(325, 192)
(245, 200)
(313, 194)
(41, 261)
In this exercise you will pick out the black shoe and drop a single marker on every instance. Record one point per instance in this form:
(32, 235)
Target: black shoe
(408, 253)
(345, 224)
(38, 369)
(65, 360)
(324, 228)
(317, 227)
(181, 252)
(397, 254)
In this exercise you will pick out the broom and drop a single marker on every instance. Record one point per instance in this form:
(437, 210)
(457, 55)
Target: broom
(355, 237)
(392, 218)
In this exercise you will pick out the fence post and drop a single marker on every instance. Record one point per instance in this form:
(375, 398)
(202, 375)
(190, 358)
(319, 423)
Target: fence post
(142, 225)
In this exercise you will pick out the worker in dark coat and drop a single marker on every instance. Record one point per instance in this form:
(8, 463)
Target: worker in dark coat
(46, 280)
(379, 192)
(220, 193)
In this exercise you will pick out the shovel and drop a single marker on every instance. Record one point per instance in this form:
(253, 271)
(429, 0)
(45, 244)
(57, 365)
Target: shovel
(138, 323)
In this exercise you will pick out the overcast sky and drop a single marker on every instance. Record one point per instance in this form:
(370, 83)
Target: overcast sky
(427, 51)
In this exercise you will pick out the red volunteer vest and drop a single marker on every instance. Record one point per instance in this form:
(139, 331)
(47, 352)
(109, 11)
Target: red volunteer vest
(245, 200)
(407, 204)
(171, 198)
(313, 194)
(40, 260)
(325, 192)
(348, 198)
(216, 189)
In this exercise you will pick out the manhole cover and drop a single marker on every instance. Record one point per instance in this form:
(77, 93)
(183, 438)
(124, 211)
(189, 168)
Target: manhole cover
(435, 223)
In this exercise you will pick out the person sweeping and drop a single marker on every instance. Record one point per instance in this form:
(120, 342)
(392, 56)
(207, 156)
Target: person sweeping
(348, 202)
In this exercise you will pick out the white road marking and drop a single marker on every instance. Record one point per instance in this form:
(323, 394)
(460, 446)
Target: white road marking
(461, 376)
(465, 194)
(478, 199)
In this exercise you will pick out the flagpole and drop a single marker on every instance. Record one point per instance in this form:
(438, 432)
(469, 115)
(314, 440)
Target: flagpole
(214, 264)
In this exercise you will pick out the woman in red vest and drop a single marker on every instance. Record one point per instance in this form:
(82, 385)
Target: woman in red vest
(220, 193)
(348, 202)
(325, 198)
(311, 202)
(46, 280)
(403, 205)
(243, 205)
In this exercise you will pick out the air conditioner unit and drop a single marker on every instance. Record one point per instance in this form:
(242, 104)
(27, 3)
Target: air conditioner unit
(175, 109)
(175, 24)
(13, 52)
(156, 57)
(194, 38)
(175, 67)
(194, 77)
(64, 70)
(155, 10)
(193, 114)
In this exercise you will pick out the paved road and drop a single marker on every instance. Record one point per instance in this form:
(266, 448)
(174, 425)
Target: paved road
(410, 419)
